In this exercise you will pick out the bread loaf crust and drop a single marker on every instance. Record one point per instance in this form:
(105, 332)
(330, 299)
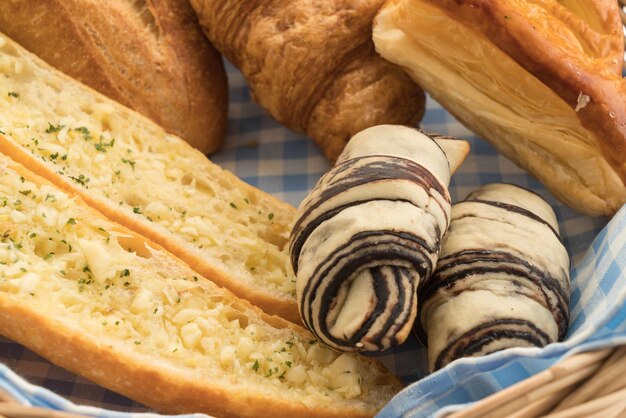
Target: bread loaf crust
(149, 55)
(312, 65)
(284, 307)
(156, 386)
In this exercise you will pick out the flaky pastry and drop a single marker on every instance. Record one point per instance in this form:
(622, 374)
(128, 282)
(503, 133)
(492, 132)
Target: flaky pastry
(494, 288)
(539, 79)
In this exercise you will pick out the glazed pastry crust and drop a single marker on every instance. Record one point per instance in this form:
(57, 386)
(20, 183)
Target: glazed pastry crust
(540, 82)
(150, 56)
(312, 65)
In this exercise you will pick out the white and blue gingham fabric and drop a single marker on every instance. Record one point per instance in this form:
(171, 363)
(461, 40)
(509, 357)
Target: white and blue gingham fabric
(287, 164)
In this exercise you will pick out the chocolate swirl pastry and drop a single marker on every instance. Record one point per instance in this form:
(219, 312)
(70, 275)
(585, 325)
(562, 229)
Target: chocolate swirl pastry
(367, 234)
(502, 279)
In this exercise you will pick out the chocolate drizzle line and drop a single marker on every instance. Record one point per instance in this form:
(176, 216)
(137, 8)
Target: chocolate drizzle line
(374, 169)
(518, 210)
(382, 282)
(366, 249)
(505, 263)
(472, 341)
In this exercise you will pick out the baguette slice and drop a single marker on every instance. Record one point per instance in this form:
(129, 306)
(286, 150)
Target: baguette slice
(148, 55)
(108, 304)
(154, 183)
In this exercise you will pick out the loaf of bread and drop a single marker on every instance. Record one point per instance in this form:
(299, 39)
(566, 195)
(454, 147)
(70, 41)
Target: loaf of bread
(312, 65)
(154, 183)
(148, 55)
(366, 236)
(539, 80)
(502, 279)
(107, 304)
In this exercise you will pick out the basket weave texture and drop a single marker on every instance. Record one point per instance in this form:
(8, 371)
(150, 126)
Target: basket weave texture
(622, 12)
(583, 386)
(587, 385)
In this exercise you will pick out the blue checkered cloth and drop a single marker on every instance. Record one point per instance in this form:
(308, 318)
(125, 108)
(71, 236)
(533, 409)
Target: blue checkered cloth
(287, 165)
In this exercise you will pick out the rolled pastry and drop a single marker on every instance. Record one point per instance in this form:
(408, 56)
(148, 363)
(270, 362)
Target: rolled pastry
(502, 279)
(366, 235)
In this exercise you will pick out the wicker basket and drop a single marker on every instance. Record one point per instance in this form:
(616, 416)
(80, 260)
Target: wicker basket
(587, 385)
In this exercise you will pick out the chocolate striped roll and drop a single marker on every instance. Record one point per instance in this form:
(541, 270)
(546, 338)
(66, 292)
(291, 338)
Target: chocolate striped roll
(502, 279)
(367, 233)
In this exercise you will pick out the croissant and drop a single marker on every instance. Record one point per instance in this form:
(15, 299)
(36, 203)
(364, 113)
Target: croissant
(502, 279)
(368, 232)
(312, 65)
(538, 79)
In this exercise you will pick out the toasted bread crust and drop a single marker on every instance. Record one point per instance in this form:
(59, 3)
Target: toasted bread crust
(271, 303)
(157, 386)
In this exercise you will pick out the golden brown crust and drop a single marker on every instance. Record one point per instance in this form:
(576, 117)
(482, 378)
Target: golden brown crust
(534, 33)
(312, 65)
(347, 107)
(148, 55)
